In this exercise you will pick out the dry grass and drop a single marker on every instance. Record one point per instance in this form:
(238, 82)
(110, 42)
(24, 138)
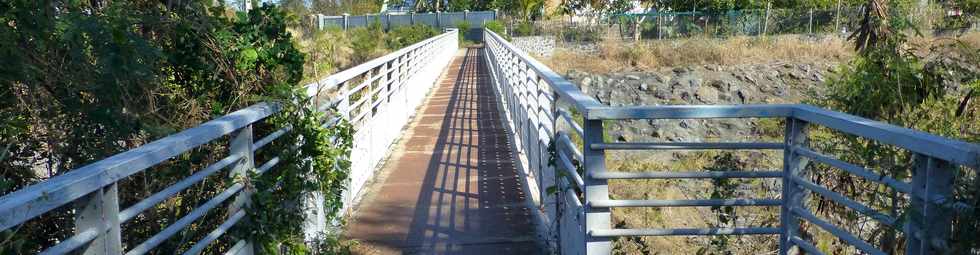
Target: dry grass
(615, 55)
(691, 217)
(619, 56)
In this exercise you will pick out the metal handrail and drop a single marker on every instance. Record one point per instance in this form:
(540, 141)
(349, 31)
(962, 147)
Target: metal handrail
(520, 79)
(93, 188)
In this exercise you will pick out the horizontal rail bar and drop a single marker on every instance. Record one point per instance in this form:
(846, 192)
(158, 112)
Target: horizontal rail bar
(857, 170)
(682, 232)
(686, 175)
(836, 231)
(689, 112)
(566, 90)
(180, 224)
(73, 243)
(569, 145)
(571, 122)
(806, 246)
(685, 203)
(271, 137)
(687, 146)
(955, 151)
(34, 200)
(841, 199)
(571, 170)
(237, 248)
(204, 242)
(153, 200)
(574, 197)
(267, 165)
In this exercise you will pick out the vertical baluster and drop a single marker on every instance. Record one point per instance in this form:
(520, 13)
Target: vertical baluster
(929, 226)
(343, 107)
(793, 194)
(595, 189)
(241, 144)
(100, 210)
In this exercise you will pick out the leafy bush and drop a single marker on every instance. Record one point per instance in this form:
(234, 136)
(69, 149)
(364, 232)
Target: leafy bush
(495, 26)
(367, 42)
(403, 36)
(580, 34)
(130, 72)
(524, 29)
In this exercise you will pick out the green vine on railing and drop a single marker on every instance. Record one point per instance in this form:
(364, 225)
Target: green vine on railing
(314, 158)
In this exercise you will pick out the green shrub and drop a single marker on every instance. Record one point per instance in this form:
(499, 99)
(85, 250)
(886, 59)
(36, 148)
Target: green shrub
(464, 28)
(402, 36)
(524, 29)
(580, 34)
(367, 42)
(495, 26)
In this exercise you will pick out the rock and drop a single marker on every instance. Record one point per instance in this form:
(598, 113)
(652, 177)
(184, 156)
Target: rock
(633, 77)
(679, 70)
(587, 81)
(661, 93)
(644, 87)
(721, 85)
(707, 94)
(695, 82)
(657, 78)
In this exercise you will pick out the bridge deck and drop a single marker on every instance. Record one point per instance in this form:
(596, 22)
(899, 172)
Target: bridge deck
(451, 187)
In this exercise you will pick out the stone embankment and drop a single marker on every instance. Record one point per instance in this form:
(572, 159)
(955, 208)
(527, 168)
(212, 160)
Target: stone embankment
(702, 85)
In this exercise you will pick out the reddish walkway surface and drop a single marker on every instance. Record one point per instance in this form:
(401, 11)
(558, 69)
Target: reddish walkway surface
(451, 186)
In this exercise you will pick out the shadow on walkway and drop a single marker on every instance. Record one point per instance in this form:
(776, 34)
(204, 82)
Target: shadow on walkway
(451, 187)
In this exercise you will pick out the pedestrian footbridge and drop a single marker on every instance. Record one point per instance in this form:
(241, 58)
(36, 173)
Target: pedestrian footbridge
(485, 150)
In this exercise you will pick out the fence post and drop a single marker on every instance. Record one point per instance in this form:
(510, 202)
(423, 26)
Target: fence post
(465, 14)
(346, 20)
(100, 211)
(241, 144)
(412, 18)
(595, 190)
(809, 24)
(438, 20)
(765, 22)
(929, 226)
(793, 166)
(837, 19)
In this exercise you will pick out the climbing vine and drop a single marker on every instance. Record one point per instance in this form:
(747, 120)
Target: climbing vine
(91, 79)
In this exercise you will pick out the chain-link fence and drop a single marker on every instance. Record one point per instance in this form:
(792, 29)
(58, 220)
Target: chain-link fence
(439, 20)
(663, 25)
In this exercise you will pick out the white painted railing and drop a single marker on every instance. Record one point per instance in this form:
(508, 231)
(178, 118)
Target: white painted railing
(379, 98)
(535, 96)
(390, 88)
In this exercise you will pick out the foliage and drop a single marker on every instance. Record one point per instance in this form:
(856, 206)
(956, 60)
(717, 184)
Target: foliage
(581, 34)
(367, 42)
(723, 189)
(495, 26)
(403, 36)
(524, 29)
(339, 7)
(96, 78)
(891, 81)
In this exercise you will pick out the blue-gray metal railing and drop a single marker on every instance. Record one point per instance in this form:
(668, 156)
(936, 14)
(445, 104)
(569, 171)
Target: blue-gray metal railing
(389, 20)
(392, 86)
(533, 97)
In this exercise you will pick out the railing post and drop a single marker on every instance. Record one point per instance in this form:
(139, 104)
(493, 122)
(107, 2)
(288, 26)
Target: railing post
(100, 210)
(595, 190)
(793, 195)
(346, 21)
(929, 226)
(241, 144)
